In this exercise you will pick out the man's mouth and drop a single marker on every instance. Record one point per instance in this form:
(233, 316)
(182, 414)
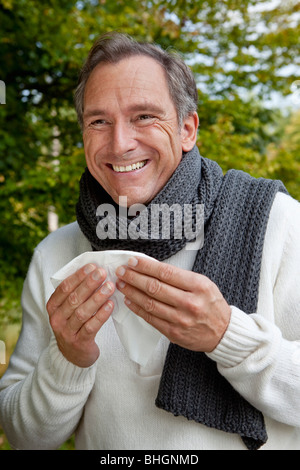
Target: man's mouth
(127, 168)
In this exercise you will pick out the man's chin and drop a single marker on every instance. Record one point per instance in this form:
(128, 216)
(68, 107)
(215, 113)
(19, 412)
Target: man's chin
(129, 200)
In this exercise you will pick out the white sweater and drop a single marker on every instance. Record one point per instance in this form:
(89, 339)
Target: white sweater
(44, 398)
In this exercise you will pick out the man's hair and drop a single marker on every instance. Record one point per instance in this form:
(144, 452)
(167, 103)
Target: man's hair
(113, 47)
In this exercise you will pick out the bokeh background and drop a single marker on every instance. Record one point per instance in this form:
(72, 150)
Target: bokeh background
(246, 60)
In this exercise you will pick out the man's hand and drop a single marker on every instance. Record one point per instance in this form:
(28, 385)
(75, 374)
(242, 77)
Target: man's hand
(77, 310)
(186, 307)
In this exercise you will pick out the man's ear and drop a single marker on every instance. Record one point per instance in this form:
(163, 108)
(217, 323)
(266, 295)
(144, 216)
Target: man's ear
(189, 132)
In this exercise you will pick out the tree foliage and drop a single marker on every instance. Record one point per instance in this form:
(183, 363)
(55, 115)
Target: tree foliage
(240, 51)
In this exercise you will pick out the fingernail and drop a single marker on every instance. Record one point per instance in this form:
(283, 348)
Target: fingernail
(97, 274)
(121, 284)
(120, 271)
(108, 306)
(106, 289)
(127, 301)
(89, 268)
(132, 262)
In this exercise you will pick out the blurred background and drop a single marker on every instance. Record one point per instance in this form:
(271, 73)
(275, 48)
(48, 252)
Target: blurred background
(246, 60)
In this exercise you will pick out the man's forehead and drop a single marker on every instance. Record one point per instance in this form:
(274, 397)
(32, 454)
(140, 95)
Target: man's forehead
(136, 79)
(132, 73)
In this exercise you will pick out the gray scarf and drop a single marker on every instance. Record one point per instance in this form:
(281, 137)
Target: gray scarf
(236, 212)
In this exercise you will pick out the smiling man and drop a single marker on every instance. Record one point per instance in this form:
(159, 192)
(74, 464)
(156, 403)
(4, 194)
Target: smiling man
(132, 139)
(225, 373)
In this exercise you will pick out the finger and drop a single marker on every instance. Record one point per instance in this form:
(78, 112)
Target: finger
(86, 310)
(151, 286)
(90, 328)
(167, 273)
(67, 286)
(159, 323)
(79, 295)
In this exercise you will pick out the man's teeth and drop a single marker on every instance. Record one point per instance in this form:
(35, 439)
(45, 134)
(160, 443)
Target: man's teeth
(135, 166)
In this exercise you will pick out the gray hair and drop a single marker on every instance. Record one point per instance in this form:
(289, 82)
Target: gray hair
(113, 47)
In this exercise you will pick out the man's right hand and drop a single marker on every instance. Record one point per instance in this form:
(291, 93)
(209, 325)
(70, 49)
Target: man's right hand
(77, 310)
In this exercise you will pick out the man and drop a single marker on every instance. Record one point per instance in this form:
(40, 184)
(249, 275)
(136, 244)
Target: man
(226, 372)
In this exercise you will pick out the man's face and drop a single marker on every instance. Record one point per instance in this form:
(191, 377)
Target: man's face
(131, 136)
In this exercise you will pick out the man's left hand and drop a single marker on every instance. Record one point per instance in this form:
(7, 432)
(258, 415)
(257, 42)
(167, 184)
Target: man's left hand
(186, 307)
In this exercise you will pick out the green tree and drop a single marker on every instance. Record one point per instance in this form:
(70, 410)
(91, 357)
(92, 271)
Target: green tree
(283, 160)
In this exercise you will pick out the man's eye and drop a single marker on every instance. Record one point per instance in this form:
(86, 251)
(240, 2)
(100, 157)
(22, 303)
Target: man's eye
(98, 122)
(144, 117)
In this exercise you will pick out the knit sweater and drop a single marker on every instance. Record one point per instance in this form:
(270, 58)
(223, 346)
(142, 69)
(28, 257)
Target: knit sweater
(44, 398)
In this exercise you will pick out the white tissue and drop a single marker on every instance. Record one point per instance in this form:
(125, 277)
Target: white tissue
(137, 336)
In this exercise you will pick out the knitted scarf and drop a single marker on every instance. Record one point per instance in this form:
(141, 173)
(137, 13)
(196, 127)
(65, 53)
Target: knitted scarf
(236, 211)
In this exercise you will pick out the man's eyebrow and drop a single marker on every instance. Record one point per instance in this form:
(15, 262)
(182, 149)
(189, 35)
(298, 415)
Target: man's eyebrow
(146, 107)
(142, 107)
(93, 112)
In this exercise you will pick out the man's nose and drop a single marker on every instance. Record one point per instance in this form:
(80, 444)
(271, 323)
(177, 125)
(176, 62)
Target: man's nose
(123, 138)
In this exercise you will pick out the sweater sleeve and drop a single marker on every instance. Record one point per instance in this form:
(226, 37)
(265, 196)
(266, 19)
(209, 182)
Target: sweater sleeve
(260, 353)
(42, 395)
